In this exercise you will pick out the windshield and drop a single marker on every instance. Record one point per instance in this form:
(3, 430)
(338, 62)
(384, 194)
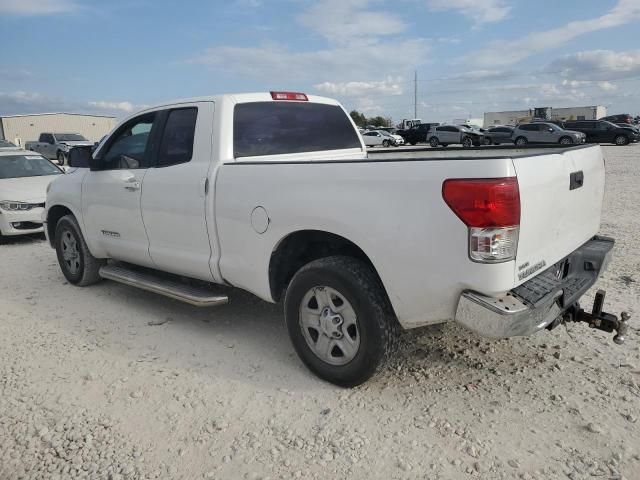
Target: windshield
(69, 137)
(20, 166)
(4, 143)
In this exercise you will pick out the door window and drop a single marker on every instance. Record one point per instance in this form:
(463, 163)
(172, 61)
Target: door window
(176, 145)
(129, 148)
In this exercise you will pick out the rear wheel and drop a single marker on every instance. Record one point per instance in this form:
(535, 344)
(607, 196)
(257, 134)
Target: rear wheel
(434, 142)
(566, 141)
(621, 140)
(520, 141)
(76, 262)
(339, 320)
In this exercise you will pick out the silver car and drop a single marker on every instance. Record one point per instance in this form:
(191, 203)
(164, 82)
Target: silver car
(544, 132)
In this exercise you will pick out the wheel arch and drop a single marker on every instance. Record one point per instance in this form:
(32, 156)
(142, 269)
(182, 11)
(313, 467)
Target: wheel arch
(298, 248)
(54, 214)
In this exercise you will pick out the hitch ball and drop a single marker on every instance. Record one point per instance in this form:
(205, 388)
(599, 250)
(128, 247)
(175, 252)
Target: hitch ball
(623, 326)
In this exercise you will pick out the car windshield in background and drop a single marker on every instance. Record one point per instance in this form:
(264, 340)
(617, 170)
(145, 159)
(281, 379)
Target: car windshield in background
(69, 137)
(4, 144)
(20, 166)
(276, 128)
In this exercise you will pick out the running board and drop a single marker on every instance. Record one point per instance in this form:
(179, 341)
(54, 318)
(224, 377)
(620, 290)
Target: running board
(198, 296)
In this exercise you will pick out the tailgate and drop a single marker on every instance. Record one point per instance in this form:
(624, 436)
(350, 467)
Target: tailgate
(557, 214)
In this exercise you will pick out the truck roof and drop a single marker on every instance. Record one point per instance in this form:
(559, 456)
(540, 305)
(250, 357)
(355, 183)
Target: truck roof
(240, 98)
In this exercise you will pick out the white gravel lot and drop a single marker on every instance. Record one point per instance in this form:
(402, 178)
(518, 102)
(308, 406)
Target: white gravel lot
(113, 382)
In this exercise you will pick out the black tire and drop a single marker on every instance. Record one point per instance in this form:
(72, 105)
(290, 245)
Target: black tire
(520, 141)
(85, 266)
(467, 142)
(386, 143)
(621, 140)
(487, 141)
(434, 142)
(378, 329)
(566, 141)
(60, 158)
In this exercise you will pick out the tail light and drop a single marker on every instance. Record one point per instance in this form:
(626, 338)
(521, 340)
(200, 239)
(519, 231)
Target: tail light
(490, 207)
(289, 96)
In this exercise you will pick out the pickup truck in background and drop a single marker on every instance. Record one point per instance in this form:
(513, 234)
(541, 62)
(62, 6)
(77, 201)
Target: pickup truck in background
(274, 193)
(56, 146)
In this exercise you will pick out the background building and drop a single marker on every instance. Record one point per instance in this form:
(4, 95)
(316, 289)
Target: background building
(549, 113)
(23, 128)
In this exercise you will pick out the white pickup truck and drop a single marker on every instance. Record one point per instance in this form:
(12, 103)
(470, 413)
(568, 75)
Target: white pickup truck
(56, 146)
(274, 193)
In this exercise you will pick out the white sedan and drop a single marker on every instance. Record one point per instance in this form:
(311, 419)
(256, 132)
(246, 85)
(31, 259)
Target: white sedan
(24, 177)
(375, 138)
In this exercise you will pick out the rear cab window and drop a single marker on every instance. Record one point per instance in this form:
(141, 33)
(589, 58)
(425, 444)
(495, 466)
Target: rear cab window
(285, 127)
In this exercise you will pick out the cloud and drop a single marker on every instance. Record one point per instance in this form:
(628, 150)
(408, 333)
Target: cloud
(21, 102)
(341, 21)
(114, 106)
(480, 11)
(392, 86)
(503, 53)
(598, 65)
(36, 7)
(278, 64)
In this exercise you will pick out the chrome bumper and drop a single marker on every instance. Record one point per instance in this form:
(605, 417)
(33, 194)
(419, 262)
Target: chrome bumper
(535, 304)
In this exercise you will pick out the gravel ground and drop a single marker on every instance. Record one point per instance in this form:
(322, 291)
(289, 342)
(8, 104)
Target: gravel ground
(113, 382)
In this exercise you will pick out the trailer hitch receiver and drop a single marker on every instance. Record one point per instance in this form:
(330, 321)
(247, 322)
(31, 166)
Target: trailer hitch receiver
(600, 320)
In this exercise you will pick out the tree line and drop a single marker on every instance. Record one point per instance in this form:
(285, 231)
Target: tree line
(362, 121)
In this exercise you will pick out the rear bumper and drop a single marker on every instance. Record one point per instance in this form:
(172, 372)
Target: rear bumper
(536, 303)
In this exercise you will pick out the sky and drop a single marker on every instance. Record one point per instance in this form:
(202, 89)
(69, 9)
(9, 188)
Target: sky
(471, 56)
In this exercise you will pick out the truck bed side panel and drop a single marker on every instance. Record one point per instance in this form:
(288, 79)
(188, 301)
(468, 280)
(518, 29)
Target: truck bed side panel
(393, 211)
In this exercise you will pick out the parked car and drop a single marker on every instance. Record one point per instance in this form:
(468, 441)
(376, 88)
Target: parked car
(314, 226)
(600, 131)
(621, 118)
(374, 138)
(498, 135)
(7, 145)
(417, 133)
(545, 132)
(452, 134)
(24, 177)
(56, 146)
(396, 140)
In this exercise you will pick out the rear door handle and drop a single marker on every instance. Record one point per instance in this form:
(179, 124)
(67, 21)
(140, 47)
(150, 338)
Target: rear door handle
(132, 184)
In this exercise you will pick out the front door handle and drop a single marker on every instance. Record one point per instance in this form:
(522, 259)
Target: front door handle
(132, 184)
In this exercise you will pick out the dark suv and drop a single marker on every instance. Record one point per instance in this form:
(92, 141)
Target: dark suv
(417, 133)
(600, 131)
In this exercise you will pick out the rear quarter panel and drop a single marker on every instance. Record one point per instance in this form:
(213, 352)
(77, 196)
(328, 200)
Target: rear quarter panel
(393, 210)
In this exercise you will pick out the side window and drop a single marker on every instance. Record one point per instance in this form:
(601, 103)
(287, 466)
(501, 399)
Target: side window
(603, 126)
(129, 148)
(46, 138)
(176, 145)
(529, 127)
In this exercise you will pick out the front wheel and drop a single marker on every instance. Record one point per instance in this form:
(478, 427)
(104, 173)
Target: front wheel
(566, 141)
(621, 140)
(487, 141)
(76, 262)
(60, 158)
(339, 320)
(467, 142)
(521, 141)
(385, 143)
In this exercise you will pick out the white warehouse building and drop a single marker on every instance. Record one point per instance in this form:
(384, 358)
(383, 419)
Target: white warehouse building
(24, 128)
(523, 116)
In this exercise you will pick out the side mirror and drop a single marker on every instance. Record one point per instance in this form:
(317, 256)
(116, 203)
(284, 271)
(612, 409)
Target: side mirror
(550, 129)
(80, 157)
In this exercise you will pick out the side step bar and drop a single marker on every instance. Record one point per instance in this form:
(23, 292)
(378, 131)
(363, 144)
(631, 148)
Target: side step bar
(198, 296)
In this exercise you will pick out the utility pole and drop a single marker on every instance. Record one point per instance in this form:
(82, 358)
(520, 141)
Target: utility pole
(415, 94)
